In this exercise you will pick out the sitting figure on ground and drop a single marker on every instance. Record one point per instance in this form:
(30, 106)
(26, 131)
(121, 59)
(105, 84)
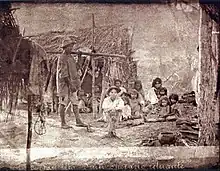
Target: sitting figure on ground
(83, 102)
(112, 107)
(153, 92)
(126, 112)
(136, 104)
(162, 93)
(164, 109)
(97, 99)
(138, 86)
(118, 84)
(174, 105)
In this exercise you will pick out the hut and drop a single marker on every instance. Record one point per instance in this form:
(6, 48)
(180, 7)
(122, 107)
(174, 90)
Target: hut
(18, 56)
(112, 47)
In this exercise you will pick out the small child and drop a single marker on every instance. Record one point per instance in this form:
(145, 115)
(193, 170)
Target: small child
(118, 84)
(135, 104)
(126, 112)
(174, 106)
(82, 102)
(164, 108)
(162, 92)
(138, 86)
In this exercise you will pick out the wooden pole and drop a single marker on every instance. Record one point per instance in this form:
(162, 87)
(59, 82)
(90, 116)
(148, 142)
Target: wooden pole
(94, 107)
(85, 72)
(29, 135)
(57, 84)
(104, 87)
(91, 54)
(93, 32)
(94, 104)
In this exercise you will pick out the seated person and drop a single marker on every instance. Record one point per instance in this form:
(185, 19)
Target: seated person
(97, 98)
(83, 101)
(153, 92)
(162, 93)
(112, 107)
(160, 113)
(118, 84)
(136, 104)
(174, 106)
(126, 112)
(138, 86)
(164, 108)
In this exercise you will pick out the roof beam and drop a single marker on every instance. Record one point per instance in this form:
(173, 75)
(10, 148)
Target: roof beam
(91, 54)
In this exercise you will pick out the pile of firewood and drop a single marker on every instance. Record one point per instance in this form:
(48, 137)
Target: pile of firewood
(189, 130)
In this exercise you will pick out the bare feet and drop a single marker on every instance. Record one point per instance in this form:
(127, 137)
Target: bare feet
(110, 135)
(66, 127)
(81, 124)
(89, 129)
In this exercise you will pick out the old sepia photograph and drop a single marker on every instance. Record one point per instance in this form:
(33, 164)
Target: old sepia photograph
(109, 85)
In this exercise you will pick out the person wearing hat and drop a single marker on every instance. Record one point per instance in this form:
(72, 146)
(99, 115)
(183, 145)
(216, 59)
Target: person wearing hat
(122, 92)
(112, 107)
(68, 83)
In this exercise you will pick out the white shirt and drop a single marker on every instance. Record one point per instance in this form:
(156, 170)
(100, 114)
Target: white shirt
(109, 104)
(151, 96)
(126, 111)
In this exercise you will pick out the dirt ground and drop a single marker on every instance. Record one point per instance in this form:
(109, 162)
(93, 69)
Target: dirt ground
(13, 136)
(14, 132)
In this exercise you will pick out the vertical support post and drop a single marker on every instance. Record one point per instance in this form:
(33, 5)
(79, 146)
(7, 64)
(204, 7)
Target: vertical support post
(104, 87)
(94, 106)
(29, 135)
(57, 84)
(93, 32)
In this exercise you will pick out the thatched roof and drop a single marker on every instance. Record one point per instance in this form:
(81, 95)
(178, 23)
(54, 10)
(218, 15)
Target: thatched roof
(114, 39)
(108, 39)
(14, 58)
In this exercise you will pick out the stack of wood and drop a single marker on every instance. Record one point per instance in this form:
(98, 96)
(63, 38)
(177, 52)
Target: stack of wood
(189, 129)
(187, 123)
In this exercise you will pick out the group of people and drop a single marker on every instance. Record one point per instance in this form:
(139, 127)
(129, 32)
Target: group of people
(121, 103)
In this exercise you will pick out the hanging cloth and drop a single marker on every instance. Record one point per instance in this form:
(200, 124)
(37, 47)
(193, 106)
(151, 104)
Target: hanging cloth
(38, 70)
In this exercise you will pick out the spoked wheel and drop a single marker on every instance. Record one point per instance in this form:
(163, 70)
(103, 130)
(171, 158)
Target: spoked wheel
(39, 126)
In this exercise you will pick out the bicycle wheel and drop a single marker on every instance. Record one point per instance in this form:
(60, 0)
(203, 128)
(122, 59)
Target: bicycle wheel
(39, 127)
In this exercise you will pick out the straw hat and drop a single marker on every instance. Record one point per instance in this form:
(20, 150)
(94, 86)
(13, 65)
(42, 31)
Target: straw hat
(113, 87)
